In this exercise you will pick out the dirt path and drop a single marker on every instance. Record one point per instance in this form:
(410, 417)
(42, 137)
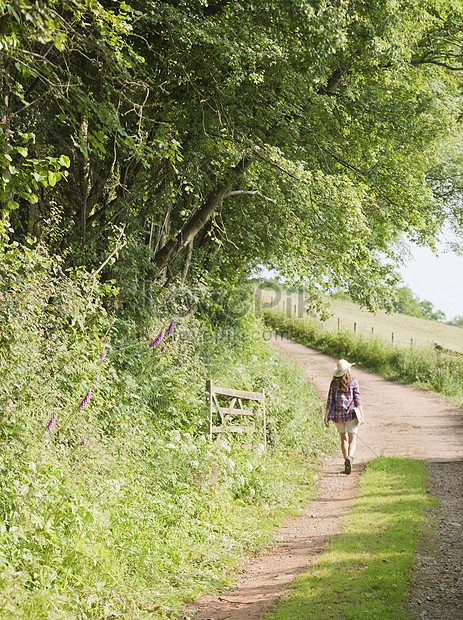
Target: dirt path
(400, 421)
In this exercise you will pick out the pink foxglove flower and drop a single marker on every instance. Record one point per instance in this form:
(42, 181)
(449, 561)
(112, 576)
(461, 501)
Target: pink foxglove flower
(50, 425)
(103, 354)
(84, 441)
(86, 399)
(158, 339)
(52, 422)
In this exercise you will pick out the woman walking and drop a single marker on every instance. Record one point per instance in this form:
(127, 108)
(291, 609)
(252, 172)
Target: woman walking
(343, 396)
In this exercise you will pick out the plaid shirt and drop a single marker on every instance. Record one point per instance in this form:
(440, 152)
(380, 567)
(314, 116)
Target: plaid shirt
(340, 405)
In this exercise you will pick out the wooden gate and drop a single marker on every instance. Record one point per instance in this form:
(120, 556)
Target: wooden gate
(233, 417)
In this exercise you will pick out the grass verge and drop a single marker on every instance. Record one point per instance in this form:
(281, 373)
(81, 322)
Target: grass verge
(366, 571)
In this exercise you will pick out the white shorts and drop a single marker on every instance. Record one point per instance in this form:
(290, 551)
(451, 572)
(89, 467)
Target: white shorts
(347, 427)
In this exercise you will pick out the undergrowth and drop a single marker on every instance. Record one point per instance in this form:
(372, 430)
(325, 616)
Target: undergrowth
(426, 367)
(114, 502)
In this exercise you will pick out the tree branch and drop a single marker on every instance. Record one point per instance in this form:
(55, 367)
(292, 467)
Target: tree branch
(168, 253)
(423, 61)
(254, 192)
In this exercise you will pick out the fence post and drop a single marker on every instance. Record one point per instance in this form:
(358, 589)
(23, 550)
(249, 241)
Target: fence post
(355, 329)
(265, 422)
(339, 324)
(289, 307)
(392, 338)
(209, 396)
(372, 331)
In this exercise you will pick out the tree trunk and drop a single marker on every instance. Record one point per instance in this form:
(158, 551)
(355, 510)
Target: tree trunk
(187, 263)
(5, 123)
(84, 172)
(167, 254)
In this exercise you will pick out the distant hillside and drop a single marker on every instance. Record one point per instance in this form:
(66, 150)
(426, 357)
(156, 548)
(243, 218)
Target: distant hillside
(404, 328)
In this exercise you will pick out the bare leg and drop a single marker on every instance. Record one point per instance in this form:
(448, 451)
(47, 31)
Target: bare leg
(344, 444)
(352, 444)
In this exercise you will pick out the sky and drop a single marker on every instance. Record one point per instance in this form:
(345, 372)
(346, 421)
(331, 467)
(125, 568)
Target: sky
(438, 279)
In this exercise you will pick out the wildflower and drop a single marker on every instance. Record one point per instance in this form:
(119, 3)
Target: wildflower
(52, 422)
(158, 339)
(163, 349)
(171, 328)
(9, 405)
(103, 354)
(84, 441)
(50, 425)
(86, 399)
(97, 378)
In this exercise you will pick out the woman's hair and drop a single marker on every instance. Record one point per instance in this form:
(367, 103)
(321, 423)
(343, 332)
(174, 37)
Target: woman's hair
(342, 384)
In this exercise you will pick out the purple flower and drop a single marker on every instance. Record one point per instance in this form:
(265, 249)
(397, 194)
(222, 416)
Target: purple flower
(84, 441)
(9, 405)
(158, 339)
(51, 424)
(86, 399)
(171, 328)
(103, 354)
(163, 349)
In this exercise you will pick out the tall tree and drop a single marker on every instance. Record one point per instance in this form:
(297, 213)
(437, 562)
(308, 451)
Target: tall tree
(225, 134)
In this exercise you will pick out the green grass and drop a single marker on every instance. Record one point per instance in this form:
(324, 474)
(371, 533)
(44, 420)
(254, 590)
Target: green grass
(406, 329)
(366, 571)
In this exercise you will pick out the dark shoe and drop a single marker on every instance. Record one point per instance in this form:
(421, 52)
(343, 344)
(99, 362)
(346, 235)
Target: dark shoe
(348, 464)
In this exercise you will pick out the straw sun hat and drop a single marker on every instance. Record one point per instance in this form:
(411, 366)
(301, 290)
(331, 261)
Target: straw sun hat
(341, 368)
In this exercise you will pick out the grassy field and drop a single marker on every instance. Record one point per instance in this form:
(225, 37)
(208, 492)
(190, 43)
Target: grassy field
(402, 329)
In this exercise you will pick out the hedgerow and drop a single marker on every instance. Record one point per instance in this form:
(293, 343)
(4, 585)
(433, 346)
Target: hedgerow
(114, 501)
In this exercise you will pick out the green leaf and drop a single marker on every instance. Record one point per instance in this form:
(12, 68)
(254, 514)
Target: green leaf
(53, 177)
(59, 42)
(65, 161)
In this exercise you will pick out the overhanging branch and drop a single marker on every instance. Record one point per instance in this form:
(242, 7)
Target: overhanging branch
(255, 192)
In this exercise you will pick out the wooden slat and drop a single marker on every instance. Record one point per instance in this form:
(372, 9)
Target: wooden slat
(230, 428)
(238, 393)
(227, 411)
